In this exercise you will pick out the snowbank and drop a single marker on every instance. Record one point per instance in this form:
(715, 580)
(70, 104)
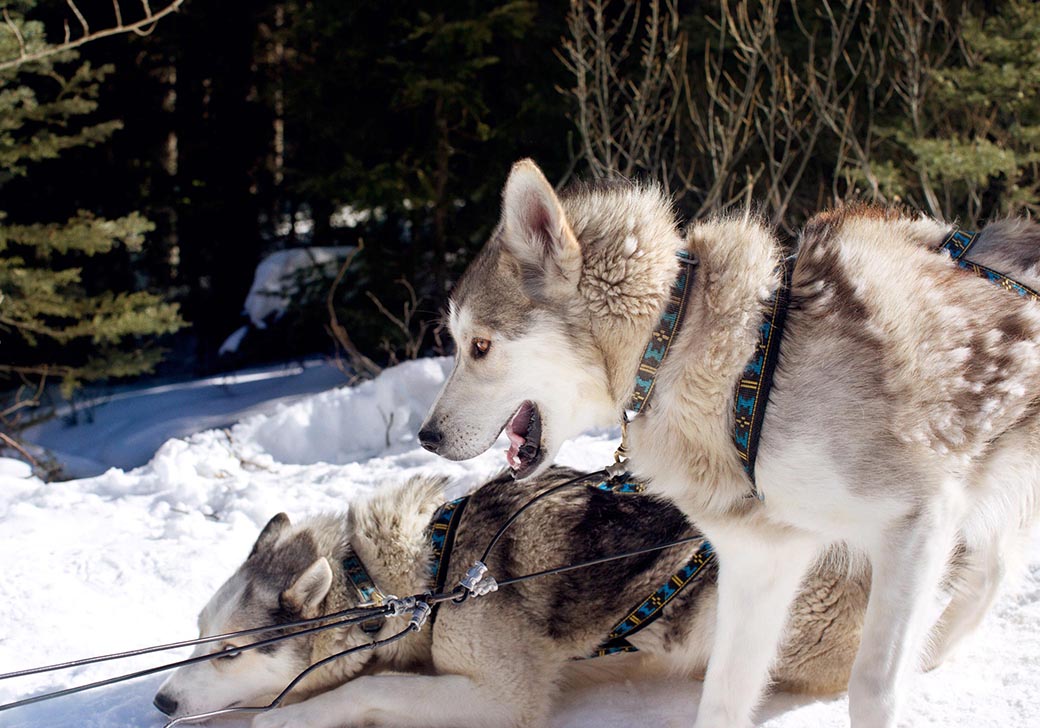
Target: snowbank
(125, 428)
(127, 558)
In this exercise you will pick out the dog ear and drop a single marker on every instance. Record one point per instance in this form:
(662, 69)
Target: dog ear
(271, 532)
(535, 228)
(310, 588)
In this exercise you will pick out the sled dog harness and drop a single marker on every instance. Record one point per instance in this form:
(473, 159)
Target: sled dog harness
(754, 385)
(959, 242)
(444, 527)
(752, 391)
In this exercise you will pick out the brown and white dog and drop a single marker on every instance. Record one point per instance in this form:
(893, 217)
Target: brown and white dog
(903, 418)
(498, 660)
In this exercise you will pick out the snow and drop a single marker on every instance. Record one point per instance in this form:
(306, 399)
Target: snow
(123, 429)
(274, 284)
(277, 281)
(126, 558)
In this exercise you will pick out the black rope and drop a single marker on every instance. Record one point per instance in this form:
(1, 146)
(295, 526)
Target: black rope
(296, 681)
(186, 643)
(600, 560)
(580, 480)
(188, 661)
(363, 614)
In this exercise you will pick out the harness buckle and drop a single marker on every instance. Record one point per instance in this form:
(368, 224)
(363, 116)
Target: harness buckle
(621, 454)
(420, 613)
(477, 581)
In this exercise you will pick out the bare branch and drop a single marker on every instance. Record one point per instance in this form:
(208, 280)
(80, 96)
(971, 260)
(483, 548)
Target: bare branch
(17, 33)
(140, 27)
(79, 16)
(361, 364)
(17, 447)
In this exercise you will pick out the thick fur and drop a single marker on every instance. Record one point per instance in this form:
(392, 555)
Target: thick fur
(903, 419)
(497, 660)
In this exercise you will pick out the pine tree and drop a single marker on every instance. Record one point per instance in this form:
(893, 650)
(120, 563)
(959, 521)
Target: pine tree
(986, 151)
(55, 323)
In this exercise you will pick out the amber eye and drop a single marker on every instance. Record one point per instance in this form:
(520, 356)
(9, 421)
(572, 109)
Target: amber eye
(481, 348)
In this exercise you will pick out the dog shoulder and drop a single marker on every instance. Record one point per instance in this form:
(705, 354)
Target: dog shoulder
(404, 507)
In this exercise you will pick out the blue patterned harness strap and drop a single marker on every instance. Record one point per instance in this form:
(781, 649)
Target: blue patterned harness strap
(446, 522)
(652, 607)
(367, 590)
(959, 242)
(752, 391)
(663, 334)
(442, 540)
(752, 394)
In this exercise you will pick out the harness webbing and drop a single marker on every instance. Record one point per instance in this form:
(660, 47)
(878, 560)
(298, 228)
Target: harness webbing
(752, 391)
(663, 334)
(752, 394)
(959, 242)
(442, 540)
(651, 608)
(369, 593)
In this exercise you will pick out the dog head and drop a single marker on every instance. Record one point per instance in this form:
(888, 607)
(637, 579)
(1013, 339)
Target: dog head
(525, 363)
(284, 579)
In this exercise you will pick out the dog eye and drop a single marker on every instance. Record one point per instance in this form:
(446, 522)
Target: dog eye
(481, 348)
(231, 655)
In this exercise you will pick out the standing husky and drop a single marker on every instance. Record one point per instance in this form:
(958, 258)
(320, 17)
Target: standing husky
(491, 662)
(903, 416)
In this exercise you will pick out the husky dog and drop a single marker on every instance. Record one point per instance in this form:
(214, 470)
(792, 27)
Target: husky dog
(497, 660)
(903, 417)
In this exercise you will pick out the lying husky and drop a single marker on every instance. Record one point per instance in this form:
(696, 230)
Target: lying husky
(903, 417)
(497, 660)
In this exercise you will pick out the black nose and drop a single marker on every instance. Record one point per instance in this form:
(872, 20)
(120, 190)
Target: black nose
(165, 703)
(430, 438)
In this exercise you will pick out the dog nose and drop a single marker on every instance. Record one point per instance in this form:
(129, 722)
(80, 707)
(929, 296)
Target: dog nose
(430, 438)
(165, 703)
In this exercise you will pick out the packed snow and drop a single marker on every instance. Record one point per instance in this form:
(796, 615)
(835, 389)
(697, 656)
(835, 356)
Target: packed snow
(126, 559)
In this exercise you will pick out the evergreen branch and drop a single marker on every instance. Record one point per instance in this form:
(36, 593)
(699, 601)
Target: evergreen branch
(37, 369)
(140, 27)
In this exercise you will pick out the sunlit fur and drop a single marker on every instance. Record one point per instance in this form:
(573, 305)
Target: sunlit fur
(499, 660)
(903, 420)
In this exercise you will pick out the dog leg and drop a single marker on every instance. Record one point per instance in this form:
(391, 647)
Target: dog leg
(907, 563)
(404, 701)
(758, 578)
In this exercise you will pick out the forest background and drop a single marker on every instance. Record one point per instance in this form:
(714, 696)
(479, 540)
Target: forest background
(146, 172)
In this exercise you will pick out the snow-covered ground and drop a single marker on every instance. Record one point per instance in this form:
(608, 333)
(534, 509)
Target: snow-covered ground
(126, 559)
(124, 428)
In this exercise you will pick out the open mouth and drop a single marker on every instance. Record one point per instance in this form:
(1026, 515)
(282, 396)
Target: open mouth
(525, 440)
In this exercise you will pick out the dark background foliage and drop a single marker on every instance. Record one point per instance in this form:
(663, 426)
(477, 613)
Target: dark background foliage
(248, 128)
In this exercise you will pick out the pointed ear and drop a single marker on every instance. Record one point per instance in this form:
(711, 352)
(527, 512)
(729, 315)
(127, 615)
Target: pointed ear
(310, 588)
(535, 228)
(271, 532)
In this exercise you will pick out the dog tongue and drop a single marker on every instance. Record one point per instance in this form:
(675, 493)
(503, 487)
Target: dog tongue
(516, 440)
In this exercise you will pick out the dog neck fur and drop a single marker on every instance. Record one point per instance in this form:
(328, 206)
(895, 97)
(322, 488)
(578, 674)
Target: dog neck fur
(388, 533)
(735, 276)
(629, 239)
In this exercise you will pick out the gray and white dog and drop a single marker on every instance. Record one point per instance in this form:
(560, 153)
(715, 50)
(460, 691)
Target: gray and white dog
(903, 417)
(498, 660)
